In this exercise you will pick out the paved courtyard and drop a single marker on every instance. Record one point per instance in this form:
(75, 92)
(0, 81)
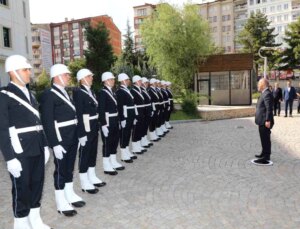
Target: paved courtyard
(198, 176)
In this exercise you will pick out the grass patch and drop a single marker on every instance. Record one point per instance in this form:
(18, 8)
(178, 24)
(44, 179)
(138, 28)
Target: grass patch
(180, 115)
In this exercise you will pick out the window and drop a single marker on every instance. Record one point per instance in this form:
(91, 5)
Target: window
(272, 19)
(286, 17)
(279, 8)
(279, 29)
(257, 1)
(272, 9)
(141, 12)
(75, 25)
(251, 2)
(6, 37)
(215, 19)
(279, 18)
(264, 10)
(226, 17)
(24, 9)
(4, 2)
(286, 6)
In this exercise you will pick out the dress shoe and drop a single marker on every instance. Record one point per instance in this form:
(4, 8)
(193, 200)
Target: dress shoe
(113, 173)
(259, 155)
(78, 204)
(285, 116)
(120, 168)
(274, 114)
(128, 161)
(150, 144)
(100, 184)
(68, 213)
(142, 152)
(261, 161)
(133, 157)
(91, 191)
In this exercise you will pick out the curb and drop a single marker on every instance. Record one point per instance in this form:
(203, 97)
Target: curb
(186, 121)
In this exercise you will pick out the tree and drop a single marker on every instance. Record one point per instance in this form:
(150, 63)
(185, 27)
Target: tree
(99, 55)
(257, 33)
(128, 56)
(291, 55)
(43, 82)
(177, 40)
(74, 66)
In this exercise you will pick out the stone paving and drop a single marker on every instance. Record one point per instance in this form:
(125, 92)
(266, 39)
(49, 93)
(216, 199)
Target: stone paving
(198, 176)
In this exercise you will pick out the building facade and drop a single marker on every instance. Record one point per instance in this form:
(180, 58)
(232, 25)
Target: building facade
(69, 41)
(15, 32)
(140, 13)
(41, 48)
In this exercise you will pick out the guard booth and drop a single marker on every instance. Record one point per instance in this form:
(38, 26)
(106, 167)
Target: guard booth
(225, 80)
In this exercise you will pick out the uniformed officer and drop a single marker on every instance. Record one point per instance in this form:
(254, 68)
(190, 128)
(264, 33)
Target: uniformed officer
(155, 107)
(166, 105)
(148, 112)
(139, 102)
(158, 129)
(109, 121)
(23, 144)
(87, 115)
(60, 124)
(127, 113)
(171, 103)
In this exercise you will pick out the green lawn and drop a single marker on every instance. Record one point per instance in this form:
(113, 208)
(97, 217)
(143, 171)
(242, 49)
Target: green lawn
(180, 115)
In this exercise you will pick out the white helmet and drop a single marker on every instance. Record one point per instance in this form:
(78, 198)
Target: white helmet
(152, 81)
(144, 80)
(168, 83)
(106, 76)
(136, 78)
(16, 62)
(83, 73)
(122, 76)
(58, 69)
(158, 81)
(163, 82)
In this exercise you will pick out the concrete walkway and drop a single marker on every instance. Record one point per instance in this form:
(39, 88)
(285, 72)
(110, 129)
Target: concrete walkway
(198, 176)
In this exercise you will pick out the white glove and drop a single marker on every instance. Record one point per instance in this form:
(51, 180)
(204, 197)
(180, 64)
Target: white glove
(123, 123)
(105, 131)
(134, 122)
(14, 167)
(58, 152)
(47, 154)
(83, 140)
(169, 108)
(152, 113)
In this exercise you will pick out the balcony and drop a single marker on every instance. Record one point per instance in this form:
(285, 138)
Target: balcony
(37, 61)
(241, 17)
(240, 7)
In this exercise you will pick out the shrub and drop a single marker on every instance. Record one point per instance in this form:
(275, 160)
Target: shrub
(189, 103)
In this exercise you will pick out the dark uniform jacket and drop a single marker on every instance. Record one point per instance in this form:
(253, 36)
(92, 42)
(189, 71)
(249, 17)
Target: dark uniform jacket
(124, 98)
(85, 105)
(107, 104)
(53, 108)
(148, 105)
(165, 98)
(154, 98)
(264, 108)
(139, 101)
(171, 99)
(13, 113)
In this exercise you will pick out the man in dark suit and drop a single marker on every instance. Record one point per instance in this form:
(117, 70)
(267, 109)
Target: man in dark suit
(109, 121)
(88, 127)
(60, 124)
(23, 144)
(277, 94)
(289, 94)
(265, 121)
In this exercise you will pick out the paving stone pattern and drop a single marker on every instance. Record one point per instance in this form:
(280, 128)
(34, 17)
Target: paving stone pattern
(198, 176)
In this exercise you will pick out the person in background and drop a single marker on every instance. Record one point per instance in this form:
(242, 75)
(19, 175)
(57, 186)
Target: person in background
(277, 94)
(289, 94)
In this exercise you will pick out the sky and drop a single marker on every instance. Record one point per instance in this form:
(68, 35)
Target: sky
(47, 11)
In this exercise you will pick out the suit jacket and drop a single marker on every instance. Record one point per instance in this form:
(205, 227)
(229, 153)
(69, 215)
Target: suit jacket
(277, 94)
(85, 105)
(289, 95)
(139, 100)
(264, 109)
(53, 108)
(125, 98)
(13, 113)
(107, 104)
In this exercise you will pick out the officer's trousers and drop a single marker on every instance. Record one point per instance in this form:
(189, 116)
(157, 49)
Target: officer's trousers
(88, 153)
(153, 121)
(64, 168)
(110, 143)
(138, 130)
(27, 189)
(125, 133)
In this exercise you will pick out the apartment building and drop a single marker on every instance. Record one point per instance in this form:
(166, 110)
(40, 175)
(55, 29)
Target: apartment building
(240, 18)
(140, 13)
(15, 32)
(69, 41)
(41, 48)
(280, 13)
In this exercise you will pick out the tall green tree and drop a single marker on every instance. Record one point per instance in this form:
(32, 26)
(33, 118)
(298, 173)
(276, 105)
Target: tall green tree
(128, 55)
(257, 33)
(177, 40)
(291, 55)
(99, 54)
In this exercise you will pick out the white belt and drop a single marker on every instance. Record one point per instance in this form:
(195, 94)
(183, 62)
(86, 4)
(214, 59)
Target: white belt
(109, 115)
(29, 129)
(14, 138)
(140, 106)
(63, 124)
(125, 108)
(86, 121)
(93, 117)
(147, 105)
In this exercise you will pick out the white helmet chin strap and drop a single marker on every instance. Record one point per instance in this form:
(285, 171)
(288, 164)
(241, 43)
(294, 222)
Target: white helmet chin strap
(61, 81)
(125, 84)
(86, 82)
(19, 78)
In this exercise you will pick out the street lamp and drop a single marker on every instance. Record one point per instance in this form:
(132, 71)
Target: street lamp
(265, 58)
